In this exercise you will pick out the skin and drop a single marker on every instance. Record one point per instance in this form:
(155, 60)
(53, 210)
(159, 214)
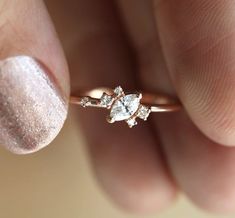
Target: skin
(182, 47)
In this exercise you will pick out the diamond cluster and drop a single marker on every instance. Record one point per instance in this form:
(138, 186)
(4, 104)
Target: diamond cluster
(123, 107)
(127, 107)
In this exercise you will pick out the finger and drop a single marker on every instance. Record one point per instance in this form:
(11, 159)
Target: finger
(203, 169)
(198, 42)
(127, 162)
(33, 91)
(141, 27)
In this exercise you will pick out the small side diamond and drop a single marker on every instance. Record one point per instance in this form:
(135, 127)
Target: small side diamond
(118, 91)
(106, 100)
(144, 112)
(131, 122)
(85, 102)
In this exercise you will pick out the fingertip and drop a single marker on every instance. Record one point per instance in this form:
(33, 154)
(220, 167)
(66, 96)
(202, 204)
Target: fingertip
(215, 199)
(212, 109)
(32, 107)
(200, 58)
(142, 197)
(34, 87)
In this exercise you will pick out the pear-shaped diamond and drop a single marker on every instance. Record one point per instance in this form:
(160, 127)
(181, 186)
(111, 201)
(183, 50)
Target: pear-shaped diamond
(125, 107)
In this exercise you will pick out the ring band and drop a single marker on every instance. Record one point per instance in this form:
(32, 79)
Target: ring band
(126, 107)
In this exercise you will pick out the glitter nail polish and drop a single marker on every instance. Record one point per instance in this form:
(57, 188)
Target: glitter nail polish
(32, 107)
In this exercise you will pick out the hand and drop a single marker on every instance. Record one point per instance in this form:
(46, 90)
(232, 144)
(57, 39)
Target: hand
(182, 47)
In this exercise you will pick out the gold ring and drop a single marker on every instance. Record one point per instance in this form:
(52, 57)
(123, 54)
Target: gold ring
(126, 106)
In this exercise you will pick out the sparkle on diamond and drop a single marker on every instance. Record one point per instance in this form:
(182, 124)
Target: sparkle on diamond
(144, 112)
(118, 91)
(85, 101)
(106, 100)
(125, 107)
(131, 122)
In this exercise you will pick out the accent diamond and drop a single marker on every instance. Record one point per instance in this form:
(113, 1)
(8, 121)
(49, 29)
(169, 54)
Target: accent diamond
(144, 112)
(106, 100)
(125, 107)
(131, 122)
(118, 91)
(85, 102)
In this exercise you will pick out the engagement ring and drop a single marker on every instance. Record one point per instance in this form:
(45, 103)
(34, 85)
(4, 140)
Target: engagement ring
(126, 106)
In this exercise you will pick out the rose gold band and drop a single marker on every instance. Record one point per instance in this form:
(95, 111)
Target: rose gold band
(125, 106)
(157, 102)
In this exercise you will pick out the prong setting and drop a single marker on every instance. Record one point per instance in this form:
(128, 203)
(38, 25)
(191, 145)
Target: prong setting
(85, 102)
(139, 95)
(131, 122)
(110, 119)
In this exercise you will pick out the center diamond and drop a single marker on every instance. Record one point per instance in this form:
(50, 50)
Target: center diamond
(125, 107)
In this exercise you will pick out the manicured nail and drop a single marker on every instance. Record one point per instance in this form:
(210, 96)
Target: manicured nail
(32, 106)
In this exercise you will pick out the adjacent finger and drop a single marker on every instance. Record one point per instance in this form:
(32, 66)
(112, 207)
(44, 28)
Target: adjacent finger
(198, 42)
(202, 169)
(127, 162)
(34, 85)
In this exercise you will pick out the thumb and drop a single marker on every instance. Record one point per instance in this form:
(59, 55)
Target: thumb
(34, 81)
(198, 40)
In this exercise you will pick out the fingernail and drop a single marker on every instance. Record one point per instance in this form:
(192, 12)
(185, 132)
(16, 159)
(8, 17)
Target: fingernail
(32, 106)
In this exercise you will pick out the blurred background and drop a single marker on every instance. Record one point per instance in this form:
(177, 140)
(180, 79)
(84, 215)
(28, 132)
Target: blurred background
(57, 182)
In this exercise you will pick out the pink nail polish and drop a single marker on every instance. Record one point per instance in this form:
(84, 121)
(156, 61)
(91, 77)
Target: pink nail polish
(32, 109)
